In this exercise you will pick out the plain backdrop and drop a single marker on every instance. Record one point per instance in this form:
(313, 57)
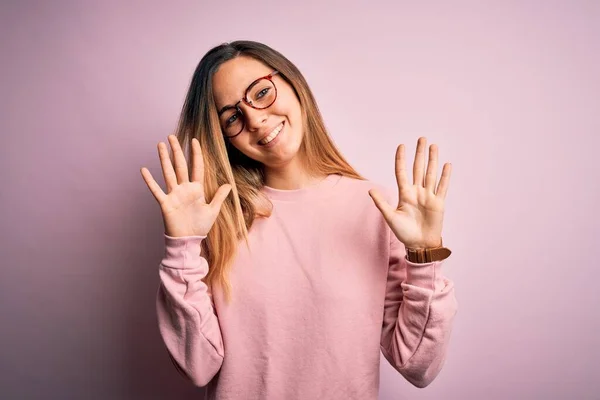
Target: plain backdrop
(509, 90)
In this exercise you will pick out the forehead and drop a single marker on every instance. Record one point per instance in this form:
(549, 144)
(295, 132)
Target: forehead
(234, 76)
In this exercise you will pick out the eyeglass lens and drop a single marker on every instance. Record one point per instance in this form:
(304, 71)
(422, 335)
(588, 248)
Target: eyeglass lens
(260, 95)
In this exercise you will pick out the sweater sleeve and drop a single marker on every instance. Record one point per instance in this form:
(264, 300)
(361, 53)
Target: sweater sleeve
(186, 319)
(418, 315)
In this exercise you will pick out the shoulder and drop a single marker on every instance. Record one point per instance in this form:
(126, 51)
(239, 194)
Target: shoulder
(357, 211)
(361, 187)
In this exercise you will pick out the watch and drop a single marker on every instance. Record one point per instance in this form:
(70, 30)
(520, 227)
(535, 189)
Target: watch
(428, 255)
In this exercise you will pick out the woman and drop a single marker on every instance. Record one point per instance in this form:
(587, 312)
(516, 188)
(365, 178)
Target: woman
(291, 286)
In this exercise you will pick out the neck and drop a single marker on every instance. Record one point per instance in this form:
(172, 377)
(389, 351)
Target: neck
(290, 177)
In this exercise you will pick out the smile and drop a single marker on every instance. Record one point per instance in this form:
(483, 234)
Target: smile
(272, 136)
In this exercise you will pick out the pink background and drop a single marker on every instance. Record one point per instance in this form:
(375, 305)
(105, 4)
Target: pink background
(508, 90)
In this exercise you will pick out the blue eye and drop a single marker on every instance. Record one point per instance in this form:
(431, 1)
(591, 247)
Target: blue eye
(231, 119)
(263, 92)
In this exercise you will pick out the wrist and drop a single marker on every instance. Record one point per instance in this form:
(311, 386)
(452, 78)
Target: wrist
(427, 254)
(425, 245)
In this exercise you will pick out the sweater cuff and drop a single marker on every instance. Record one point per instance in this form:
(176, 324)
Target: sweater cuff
(182, 252)
(425, 275)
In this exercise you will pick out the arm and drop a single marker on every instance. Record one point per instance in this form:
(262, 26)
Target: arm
(186, 319)
(418, 315)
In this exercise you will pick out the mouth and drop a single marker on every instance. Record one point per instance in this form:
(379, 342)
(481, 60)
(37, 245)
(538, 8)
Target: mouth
(264, 141)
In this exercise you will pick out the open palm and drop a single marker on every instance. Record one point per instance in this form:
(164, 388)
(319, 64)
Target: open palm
(184, 209)
(417, 220)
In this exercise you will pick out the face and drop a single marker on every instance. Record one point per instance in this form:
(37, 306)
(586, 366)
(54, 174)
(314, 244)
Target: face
(229, 86)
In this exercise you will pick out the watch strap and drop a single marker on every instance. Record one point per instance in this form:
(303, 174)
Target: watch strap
(428, 255)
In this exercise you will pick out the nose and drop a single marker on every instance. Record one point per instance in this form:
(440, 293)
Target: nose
(254, 118)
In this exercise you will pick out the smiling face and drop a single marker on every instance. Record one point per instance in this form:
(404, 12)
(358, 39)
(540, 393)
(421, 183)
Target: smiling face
(281, 122)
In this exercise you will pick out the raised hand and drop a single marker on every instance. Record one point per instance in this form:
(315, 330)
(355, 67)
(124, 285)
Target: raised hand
(417, 220)
(184, 208)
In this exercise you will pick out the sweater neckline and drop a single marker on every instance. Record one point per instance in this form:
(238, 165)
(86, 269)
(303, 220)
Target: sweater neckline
(318, 189)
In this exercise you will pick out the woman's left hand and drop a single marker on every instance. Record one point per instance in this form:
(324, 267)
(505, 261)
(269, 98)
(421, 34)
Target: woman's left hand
(417, 220)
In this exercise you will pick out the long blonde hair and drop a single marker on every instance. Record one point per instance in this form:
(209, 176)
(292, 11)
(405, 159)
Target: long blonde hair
(225, 164)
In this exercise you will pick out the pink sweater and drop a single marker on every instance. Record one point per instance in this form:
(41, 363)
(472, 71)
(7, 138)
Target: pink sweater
(325, 288)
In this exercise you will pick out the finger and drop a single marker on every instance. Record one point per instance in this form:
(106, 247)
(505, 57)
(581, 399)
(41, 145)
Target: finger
(154, 187)
(431, 174)
(401, 177)
(383, 206)
(197, 162)
(442, 188)
(167, 167)
(181, 170)
(419, 165)
(220, 196)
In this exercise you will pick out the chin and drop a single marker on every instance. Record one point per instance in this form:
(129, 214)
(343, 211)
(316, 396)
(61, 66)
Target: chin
(281, 160)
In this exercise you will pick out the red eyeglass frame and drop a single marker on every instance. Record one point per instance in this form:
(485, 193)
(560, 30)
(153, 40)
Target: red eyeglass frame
(249, 103)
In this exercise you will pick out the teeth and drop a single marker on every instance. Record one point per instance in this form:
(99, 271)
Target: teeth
(272, 135)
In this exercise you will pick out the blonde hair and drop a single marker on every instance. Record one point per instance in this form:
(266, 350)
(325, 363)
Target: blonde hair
(225, 164)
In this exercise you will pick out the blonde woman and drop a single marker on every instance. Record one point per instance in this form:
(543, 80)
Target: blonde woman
(285, 272)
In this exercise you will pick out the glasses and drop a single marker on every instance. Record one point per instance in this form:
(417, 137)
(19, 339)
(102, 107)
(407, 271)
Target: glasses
(261, 94)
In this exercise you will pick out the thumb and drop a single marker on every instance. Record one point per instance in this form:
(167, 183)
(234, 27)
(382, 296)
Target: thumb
(382, 204)
(220, 196)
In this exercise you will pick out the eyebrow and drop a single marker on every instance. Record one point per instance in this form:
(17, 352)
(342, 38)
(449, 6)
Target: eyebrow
(225, 108)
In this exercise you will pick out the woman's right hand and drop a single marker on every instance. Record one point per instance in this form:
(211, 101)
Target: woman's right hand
(184, 209)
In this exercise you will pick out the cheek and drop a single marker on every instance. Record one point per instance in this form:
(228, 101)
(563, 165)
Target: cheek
(289, 105)
(242, 144)
(281, 109)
